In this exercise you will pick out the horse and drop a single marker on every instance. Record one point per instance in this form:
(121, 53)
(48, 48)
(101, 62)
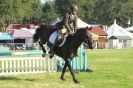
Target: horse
(69, 49)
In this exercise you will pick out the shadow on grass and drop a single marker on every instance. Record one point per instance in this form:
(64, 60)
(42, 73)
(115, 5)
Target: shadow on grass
(9, 78)
(29, 79)
(14, 78)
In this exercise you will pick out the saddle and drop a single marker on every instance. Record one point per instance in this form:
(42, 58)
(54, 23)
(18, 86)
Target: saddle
(62, 37)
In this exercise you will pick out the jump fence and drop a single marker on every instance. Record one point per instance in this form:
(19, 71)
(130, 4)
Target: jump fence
(27, 65)
(78, 63)
(23, 65)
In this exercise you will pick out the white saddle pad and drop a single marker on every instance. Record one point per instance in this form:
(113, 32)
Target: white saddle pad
(53, 37)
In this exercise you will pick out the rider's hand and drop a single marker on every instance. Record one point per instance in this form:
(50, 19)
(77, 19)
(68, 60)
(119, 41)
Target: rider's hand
(64, 30)
(71, 33)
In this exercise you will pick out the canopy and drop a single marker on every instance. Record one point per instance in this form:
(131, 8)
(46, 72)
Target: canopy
(80, 23)
(130, 28)
(5, 36)
(22, 33)
(120, 37)
(118, 32)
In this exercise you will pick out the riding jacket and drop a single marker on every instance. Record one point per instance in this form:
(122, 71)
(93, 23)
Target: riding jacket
(69, 21)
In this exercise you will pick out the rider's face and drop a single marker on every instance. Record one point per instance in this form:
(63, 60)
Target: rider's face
(73, 11)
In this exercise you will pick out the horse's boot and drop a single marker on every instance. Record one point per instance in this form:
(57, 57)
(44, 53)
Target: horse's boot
(51, 54)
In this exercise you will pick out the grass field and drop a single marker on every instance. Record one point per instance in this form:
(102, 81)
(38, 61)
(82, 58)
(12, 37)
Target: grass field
(111, 69)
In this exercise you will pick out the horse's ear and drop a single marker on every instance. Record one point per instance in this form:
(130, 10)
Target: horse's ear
(89, 28)
(86, 27)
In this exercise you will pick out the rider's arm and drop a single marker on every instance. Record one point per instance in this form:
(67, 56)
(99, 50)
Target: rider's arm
(75, 23)
(66, 18)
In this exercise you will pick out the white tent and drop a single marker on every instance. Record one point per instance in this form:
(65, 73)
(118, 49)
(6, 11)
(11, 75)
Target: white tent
(119, 36)
(130, 29)
(80, 23)
(116, 30)
(24, 33)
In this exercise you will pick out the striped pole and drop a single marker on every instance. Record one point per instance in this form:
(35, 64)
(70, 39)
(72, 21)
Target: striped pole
(80, 63)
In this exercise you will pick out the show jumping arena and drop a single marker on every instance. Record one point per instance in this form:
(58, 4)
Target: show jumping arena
(23, 65)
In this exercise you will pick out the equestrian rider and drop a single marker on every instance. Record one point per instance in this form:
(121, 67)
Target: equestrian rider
(68, 24)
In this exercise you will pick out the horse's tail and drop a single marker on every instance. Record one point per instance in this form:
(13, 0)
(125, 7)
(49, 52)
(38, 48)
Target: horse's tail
(36, 35)
(39, 33)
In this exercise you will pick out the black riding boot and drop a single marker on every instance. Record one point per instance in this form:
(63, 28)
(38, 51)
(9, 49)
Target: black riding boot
(51, 52)
(57, 41)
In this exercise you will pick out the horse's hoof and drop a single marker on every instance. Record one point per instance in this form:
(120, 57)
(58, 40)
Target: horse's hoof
(51, 56)
(62, 79)
(44, 54)
(76, 81)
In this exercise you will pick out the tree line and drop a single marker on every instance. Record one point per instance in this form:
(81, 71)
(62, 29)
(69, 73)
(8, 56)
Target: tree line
(91, 11)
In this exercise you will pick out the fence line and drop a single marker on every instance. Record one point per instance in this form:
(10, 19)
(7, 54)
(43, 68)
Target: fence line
(39, 65)
(78, 63)
(27, 65)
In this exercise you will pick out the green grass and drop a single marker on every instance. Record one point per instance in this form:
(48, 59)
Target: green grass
(111, 69)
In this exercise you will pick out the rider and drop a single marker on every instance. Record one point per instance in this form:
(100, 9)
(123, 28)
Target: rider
(65, 26)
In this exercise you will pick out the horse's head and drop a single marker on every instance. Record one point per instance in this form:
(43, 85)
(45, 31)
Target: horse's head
(86, 37)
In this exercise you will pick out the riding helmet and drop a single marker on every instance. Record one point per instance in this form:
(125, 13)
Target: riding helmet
(73, 7)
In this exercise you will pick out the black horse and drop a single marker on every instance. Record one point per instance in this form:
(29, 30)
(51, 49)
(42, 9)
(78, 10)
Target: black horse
(69, 49)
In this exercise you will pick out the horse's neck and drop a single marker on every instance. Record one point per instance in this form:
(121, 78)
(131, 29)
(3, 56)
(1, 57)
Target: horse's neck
(76, 42)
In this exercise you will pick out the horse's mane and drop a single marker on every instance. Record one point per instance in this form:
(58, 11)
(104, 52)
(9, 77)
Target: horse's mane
(46, 26)
(82, 29)
(76, 35)
(78, 31)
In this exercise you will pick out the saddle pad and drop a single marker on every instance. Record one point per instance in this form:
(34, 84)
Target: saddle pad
(53, 36)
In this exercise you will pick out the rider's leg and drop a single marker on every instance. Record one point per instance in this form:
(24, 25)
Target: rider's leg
(51, 52)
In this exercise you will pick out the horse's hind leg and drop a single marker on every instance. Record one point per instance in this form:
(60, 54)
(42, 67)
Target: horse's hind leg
(43, 49)
(71, 71)
(63, 72)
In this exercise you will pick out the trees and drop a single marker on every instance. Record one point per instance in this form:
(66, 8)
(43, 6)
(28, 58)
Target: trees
(105, 11)
(100, 11)
(91, 11)
(49, 12)
(5, 12)
(19, 11)
(62, 6)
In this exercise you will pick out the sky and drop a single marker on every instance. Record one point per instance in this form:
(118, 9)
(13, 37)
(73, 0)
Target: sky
(43, 1)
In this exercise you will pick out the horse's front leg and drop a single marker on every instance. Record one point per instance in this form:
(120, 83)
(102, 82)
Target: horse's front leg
(72, 73)
(43, 49)
(63, 71)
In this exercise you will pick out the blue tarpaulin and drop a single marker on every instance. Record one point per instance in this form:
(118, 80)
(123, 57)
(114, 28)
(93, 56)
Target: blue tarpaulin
(5, 36)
